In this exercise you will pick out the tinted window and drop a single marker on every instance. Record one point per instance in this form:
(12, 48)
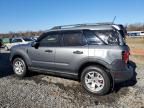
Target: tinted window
(50, 40)
(0, 42)
(73, 39)
(92, 39)
(27, 39)
(16, 40)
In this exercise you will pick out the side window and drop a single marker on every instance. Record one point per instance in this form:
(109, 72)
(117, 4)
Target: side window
(16, 40)
(92, 39)
(50, 40)
(0, 42)
(73, 39)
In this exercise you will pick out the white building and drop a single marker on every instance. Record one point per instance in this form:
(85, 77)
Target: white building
(135, 33)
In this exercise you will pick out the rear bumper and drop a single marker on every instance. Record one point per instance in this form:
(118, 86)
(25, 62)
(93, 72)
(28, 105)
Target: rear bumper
(122, 73)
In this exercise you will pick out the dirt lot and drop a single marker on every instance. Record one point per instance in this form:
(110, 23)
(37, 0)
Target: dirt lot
(38, 90)
(136, 45)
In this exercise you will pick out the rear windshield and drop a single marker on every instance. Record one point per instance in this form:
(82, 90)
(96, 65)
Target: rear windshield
(109, 37)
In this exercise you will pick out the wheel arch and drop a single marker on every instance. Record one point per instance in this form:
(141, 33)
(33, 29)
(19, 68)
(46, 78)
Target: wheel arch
(23, 56)
(101, 64)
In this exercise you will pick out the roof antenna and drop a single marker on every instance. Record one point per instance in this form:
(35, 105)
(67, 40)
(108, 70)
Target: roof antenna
(114, 20)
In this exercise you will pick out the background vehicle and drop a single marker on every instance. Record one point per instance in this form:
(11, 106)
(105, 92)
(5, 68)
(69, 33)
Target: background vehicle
(4, 41)
(34, 38)
(96, 54)
(136, 34)
(17, 41)
(1, 43)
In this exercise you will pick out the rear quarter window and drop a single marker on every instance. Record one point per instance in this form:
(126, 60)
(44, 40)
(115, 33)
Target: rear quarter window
(110, 37)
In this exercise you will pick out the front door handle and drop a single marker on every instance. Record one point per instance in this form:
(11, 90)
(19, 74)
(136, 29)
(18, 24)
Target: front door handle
(78, 52)
(48, 51)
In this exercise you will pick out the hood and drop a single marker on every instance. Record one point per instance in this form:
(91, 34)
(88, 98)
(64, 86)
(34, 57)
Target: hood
(22, 46)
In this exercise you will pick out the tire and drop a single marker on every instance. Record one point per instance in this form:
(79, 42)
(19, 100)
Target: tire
(19, 67)
(95, 80)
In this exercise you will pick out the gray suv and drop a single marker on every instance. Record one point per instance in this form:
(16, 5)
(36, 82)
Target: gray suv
(94, 54)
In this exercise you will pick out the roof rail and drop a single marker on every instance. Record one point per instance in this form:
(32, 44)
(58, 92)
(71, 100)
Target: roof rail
(81, 25)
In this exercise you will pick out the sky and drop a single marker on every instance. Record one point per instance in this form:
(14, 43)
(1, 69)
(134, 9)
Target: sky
(35, 15)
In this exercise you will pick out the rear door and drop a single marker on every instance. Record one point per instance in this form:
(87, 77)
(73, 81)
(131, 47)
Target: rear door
(72, 51)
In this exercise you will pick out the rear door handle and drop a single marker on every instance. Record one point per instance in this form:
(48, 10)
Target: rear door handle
(78, 52)
(48, 51)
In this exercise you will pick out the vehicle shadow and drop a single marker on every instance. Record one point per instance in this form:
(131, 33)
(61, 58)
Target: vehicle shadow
(130, 82)
(5, 66)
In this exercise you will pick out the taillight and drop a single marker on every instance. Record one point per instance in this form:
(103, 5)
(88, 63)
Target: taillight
(125, 56)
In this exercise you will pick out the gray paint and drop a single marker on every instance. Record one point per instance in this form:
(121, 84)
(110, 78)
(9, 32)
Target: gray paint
(63, 60)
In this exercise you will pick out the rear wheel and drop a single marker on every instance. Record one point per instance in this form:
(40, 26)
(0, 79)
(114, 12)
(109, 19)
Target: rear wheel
(19, 67)
(95, 80)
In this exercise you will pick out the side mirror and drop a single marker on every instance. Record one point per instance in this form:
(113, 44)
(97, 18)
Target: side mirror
(35, 44)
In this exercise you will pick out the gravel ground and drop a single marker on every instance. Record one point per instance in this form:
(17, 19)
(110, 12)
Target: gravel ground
(43, 91)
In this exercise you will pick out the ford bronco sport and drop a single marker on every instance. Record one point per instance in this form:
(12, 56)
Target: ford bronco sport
(95, 54)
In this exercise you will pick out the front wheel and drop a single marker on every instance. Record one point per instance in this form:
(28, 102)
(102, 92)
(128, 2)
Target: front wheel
(95, 80)
(19, 67)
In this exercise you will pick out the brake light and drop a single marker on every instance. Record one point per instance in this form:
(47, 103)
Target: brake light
(125, 56)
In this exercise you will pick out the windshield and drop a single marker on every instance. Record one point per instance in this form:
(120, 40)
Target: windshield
(27, 39)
